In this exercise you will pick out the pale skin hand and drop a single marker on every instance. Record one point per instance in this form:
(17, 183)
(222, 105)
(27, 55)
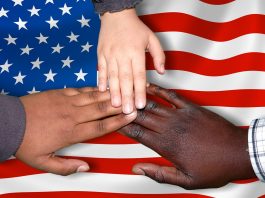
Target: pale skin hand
(123, 40)
(59, 118)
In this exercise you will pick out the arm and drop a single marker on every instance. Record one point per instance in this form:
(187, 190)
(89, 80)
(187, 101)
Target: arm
(207, 151)
(12, 126)
(123, 41)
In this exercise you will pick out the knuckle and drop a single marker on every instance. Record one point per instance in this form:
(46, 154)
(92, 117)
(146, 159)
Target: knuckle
(101, 127)
(141, 75)
(136, 132)
(92, 95)
(159, 176)
(113, 74)
(126, 76)
(141, 116)
(151, 105)
(102, 107)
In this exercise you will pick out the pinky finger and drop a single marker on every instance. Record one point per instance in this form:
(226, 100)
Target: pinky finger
(102, 74)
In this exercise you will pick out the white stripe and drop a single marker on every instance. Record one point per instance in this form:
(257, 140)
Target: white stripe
(175, 79)
(113, 183)
(213, 13)
(109, 151)
(215, 50)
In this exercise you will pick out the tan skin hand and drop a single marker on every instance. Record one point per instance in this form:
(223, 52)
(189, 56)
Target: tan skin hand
(123, 40)
(59, 118)
(207, 150)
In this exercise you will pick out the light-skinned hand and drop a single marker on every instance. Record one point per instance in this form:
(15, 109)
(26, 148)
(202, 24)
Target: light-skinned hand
(123, 41)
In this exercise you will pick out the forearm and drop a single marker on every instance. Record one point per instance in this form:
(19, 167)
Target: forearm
(102, 6)
(12, 126)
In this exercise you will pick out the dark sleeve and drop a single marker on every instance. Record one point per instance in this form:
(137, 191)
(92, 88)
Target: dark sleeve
(12, 125)
(103, 6)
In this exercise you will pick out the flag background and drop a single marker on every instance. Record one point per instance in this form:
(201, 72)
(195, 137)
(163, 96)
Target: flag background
(215, 57)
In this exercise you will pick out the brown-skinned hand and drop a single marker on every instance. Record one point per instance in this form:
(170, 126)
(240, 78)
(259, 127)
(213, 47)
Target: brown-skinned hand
(207, 151)
(59, 118)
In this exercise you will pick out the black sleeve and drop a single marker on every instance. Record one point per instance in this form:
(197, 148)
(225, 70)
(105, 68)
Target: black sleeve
(12, 126)
(102, 6)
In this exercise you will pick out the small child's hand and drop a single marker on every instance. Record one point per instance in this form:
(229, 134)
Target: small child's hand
(123, 40)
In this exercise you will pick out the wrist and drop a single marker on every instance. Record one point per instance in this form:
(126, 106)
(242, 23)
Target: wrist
(243, 163)
(128, 13)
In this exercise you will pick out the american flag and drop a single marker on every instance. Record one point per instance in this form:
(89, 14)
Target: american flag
(215, 57)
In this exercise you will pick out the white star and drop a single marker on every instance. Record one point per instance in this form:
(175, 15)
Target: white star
(26, 50)
(21, 24)
(17, 2)
(5, 67)
(33, 11)
(57, 49)
(86, 47)
(73, 37)
(36, 63)
(42, 39)
(33, 91)
(19, 78)
(3, 92)
(65, 9)
(80, 75)
(50, 76)
(49, 1)
(53, 23)
(10, 40)
(84, 21)
(67, 62)
(78, 0)
(3, 12)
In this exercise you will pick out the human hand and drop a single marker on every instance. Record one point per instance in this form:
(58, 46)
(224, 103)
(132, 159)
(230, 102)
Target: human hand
(123, 40)
(207, 150)
(59, 118)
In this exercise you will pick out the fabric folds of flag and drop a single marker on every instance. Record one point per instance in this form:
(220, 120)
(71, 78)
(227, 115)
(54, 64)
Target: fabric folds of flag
(215, 57)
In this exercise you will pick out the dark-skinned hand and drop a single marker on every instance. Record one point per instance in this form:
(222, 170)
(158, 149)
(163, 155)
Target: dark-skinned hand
(207, 151)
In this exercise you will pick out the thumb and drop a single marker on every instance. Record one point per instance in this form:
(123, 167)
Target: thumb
(157, 53)
(61, 166)
(162, 174)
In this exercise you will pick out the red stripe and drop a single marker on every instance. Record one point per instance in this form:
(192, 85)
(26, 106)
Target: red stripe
(180, 22)
(176, 60)
(96, 195)
(16, 168)
(217, 2)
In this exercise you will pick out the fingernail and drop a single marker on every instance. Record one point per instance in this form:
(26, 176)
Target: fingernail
(133, 114)
(138, 171)
(127, 109)
(83, 168)
(162, 68)
(140, 104)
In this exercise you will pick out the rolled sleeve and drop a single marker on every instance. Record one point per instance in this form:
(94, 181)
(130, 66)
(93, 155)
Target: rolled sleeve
(102, 6)
(12, 126)
(256, 144)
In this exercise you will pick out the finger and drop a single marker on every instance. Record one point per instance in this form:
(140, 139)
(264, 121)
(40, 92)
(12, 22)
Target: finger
(158, 109)
(142, 135)
(87, 89)
(139, 79)
(102, 73)
(61, 166)
(162, 174)
(149, 121)
(126, 84)
(87, 131)
(94, 111)
(90, 97)
(157, 53)
(70, 91)
(113, 75)
(168, 95)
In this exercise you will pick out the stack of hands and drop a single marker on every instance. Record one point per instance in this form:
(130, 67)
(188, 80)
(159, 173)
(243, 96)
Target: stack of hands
(206, 150)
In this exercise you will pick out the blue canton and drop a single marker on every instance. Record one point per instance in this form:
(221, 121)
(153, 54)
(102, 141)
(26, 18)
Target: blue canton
(47, 44)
